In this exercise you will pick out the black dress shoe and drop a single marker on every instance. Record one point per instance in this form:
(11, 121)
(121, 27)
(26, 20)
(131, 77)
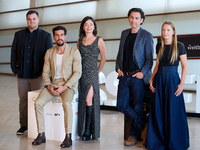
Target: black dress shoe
(40, 139)
(67, 141)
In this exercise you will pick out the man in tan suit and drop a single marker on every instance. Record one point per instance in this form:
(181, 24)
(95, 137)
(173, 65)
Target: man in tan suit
(61, 72)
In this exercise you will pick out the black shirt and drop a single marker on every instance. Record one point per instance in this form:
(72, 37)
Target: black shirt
(165, 59)
(128, 61)
(28, 53)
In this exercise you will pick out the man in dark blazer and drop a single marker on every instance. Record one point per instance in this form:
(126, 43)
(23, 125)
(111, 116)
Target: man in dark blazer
(27, 58)
(133, 64)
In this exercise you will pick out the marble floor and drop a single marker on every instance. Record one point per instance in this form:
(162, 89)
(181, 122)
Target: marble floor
(112, 123)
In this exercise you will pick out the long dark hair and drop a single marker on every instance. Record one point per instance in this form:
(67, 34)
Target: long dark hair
(82, 32)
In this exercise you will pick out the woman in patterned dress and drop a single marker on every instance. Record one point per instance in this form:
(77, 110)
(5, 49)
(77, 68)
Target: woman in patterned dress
(90, 46)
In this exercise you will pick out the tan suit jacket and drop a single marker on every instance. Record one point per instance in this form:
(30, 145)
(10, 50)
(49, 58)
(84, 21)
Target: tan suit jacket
(72, 67)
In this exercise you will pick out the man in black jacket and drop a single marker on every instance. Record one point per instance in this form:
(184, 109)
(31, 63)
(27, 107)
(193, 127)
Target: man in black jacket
(27, 58)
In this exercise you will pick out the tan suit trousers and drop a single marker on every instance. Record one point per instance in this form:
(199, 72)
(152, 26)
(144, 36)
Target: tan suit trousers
(45, 96)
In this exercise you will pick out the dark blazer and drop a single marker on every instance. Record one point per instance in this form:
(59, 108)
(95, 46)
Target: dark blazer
(142, 52)
(42, 44)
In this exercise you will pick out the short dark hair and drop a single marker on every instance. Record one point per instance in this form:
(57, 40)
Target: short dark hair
(59, 28)
(32, 12)
(82, 32)
(137, 10)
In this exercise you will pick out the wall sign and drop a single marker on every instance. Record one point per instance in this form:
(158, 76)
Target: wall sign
(192, 45)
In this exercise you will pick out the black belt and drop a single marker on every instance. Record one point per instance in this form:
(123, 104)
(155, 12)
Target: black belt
(130, 73)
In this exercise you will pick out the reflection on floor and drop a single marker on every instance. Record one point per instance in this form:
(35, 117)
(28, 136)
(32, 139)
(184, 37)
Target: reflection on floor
(112, 123)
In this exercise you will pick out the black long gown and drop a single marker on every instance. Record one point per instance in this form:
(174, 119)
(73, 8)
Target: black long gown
(89, 54)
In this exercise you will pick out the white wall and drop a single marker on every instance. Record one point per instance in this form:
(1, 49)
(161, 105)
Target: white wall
(9, 5)
(186, 23)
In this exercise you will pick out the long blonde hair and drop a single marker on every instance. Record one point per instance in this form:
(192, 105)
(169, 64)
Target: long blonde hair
(173, 48)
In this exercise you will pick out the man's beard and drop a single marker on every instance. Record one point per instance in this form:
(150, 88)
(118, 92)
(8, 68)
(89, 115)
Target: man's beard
(60, 44)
